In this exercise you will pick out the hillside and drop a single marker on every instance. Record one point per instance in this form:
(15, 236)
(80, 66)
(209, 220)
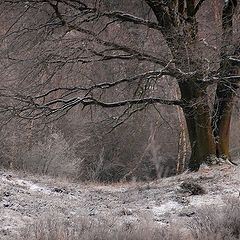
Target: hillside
(25, 199)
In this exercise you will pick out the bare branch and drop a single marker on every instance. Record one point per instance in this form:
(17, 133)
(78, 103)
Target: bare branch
(199, 4)
(133, 19)
(105, 85)
(87, 101)
(138, 55)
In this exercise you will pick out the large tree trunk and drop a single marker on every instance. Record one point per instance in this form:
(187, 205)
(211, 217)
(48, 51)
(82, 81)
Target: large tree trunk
(223, 106)
(209, 136)
(226, 88)
(198, 119)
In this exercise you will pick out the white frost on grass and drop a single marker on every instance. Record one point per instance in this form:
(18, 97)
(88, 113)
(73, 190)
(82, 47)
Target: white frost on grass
(159, 201)
(167, 207)
(206, 200)
(26, 184)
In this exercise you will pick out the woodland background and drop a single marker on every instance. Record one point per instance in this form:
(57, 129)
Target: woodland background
(88, 144)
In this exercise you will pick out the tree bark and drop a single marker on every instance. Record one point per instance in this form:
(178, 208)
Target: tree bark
(208, 134)
(198, 119)
(226, 90)
(223, 106)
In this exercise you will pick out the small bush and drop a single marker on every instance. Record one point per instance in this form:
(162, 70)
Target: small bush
(53, 156)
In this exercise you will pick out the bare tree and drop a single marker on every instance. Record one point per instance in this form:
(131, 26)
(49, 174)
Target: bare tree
(51, 38)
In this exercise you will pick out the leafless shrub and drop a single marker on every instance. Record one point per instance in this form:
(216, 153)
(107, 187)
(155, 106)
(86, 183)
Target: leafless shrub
(192, 188)
(90, 154)
(52, 156)
(109, 156)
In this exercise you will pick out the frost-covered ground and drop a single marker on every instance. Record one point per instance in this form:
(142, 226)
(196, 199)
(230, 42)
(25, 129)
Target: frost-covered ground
(24, 198)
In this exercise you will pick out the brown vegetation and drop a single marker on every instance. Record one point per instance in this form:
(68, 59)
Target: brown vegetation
(209, 224)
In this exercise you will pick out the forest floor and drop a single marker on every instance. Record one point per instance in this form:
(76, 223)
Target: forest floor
(24, 198)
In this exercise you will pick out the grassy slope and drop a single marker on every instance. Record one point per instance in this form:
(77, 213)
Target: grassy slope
(30, 202)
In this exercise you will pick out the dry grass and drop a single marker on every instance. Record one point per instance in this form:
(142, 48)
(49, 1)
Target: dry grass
(217, 223)
(86, 229)
(208, 224)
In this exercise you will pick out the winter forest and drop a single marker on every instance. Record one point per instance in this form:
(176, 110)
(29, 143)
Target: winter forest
(108, 91)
